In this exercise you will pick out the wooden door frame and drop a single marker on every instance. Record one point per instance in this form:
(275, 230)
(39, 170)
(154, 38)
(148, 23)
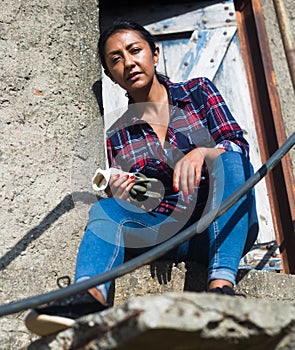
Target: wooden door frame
(269, 124)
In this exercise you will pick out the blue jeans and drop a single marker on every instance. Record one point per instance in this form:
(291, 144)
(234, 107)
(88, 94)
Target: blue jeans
(116, 227)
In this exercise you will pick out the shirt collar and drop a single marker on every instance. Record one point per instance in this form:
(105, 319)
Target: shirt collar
(178, 97)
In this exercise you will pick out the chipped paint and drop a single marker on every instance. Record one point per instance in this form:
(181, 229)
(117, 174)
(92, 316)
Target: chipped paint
(208, 16)
(210, 49)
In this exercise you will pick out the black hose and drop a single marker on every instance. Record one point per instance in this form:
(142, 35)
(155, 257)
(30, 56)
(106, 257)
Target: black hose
(157, 251)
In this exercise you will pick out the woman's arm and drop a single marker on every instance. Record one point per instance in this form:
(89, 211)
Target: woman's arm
(120, 184)
(187, 172)
(222, 126)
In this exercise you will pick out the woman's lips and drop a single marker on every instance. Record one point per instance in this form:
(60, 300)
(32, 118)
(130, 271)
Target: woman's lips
(133, 76)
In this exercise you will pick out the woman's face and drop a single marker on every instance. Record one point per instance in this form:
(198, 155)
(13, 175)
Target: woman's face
(130, 61)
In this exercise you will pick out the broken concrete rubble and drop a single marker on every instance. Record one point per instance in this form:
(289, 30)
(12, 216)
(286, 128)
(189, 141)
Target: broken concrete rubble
(182, 321)
(165, 320)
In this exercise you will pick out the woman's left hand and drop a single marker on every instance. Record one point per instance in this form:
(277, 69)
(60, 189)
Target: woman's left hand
(120, 186)
(187, 172)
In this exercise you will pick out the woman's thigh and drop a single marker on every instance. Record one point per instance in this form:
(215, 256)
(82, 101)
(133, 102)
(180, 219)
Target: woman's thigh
(139, 229)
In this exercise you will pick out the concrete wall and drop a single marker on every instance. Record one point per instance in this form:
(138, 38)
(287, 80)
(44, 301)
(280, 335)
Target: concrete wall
(48, 67)
(282, 73)
(51, 140)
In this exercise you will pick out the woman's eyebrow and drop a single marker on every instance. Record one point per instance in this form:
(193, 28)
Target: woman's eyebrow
(131, 44)
(127, 47)
(114, 52)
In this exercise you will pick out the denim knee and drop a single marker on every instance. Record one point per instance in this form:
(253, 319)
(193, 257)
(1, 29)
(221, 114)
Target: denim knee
(233, 162)
(113, 209)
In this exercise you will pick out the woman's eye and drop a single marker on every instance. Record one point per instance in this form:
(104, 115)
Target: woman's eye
(115, 59)
(135, 50)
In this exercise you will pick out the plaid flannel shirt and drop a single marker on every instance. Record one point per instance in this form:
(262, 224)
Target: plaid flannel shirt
(199, 117)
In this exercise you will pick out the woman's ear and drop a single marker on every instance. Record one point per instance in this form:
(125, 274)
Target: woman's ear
(156, 56)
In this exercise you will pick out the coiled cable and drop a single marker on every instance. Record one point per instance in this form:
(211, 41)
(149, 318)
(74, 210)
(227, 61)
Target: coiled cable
(156, 252)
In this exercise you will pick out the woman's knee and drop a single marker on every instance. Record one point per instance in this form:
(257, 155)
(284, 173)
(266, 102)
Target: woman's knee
(233, 164)
(109, 206)
(113, 209)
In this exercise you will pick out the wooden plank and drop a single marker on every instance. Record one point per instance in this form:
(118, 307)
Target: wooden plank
(264, 256)
(198, 56)
(115, 101)
(232, 82)
(269, 124)
(161, 68)
(173, 50)
(210, 15)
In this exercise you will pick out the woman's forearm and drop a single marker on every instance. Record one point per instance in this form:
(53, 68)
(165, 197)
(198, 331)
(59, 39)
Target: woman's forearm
(211, 153)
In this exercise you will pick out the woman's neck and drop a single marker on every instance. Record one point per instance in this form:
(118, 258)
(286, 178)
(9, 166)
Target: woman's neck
(156, 93)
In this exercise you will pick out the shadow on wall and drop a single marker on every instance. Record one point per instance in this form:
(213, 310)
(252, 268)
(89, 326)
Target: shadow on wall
(97, 90)
(67, 204)
(64, 206)
(160, 269)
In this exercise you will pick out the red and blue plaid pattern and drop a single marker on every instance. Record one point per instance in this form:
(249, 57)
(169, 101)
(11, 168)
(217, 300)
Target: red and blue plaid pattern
(199, 117)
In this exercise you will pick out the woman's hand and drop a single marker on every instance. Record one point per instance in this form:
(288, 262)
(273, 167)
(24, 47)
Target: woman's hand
(187, 172)
(120, 186)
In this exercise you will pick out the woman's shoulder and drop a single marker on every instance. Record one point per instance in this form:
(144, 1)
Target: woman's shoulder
(198, 86)
(126, 120)
(117, 125)
(192, 83)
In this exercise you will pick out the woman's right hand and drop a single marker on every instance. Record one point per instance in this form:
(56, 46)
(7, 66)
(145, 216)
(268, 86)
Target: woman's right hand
(120, 186)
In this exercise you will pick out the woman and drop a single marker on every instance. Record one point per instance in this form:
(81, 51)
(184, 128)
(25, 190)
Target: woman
(182, 135)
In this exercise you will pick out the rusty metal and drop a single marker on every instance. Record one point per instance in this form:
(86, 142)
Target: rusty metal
(268, 123)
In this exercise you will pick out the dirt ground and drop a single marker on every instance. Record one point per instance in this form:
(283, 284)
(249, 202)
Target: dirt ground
(52, 141)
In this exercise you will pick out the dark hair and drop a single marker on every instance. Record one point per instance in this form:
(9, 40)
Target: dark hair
(123, 24)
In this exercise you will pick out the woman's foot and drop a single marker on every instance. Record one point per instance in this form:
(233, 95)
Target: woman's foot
(62, 314)
(225, 290)
(220, 286)
(219, 283)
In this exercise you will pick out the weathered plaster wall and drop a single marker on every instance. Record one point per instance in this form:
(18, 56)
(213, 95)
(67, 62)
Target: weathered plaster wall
(48, 66)
(282, 74)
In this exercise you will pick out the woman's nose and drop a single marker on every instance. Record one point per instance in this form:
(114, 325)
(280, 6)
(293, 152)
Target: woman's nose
(129, 61)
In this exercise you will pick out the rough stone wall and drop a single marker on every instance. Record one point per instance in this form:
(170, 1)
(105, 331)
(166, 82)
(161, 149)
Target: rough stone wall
(47, 113)
(282, 74)
(48, 66)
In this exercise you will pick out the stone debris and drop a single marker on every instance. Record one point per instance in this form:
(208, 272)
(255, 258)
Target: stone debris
(182, 321)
